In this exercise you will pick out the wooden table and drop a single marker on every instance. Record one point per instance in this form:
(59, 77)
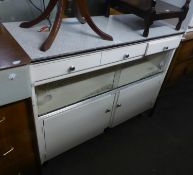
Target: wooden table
(82, 10)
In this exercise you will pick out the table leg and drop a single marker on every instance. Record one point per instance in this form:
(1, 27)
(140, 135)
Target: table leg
(57, 23)
(43, 16)
(78, 14)
(82, 5)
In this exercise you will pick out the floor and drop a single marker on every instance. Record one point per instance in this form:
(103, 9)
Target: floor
(157, 145)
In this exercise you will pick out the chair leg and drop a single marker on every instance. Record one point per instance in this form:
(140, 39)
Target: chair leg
(57, 23)
(181, 19)
(148, 23)
(81, 4)
(43, 16)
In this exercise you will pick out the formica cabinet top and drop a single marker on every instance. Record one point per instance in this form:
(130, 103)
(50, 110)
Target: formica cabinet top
(10, 51)
(74, 38)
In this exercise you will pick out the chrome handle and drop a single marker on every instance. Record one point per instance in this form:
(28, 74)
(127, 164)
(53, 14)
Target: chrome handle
(126, 56)
(165, 48)
(72, 68)
(119, 105)
(107, 111)
(12, 76)
(5, 154)
(2, 120)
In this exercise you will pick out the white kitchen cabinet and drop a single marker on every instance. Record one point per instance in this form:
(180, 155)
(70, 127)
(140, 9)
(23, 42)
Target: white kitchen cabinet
(69, 128)
(71, 108)
(136, 99)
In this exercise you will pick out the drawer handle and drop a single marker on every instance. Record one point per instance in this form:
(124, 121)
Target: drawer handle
(72, 68)
(165, 48)
(2, 120)
(126, 56)
(107, 111)
(12, 76)
(119, 105)
(5, 154)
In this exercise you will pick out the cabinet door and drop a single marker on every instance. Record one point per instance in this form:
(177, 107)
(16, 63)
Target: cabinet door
(72, 127)
(17, 153)
(136, 99)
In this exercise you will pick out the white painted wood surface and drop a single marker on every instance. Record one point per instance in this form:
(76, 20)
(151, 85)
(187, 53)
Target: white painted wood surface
(51, 69)
(74, 37)
(14, 85)
(70, 128)
(123, 53)
(65, 92)
(136, 99)
(58, 131)
(60, 67)
(163, 45)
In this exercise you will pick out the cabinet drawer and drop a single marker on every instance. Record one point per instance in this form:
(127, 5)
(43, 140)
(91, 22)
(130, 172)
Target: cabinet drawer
(14, 85)
(163, 45)
(123, 53)
(61, 67)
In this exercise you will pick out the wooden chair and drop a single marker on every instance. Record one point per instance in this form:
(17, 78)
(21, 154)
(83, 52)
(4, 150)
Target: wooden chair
(82, 15)
(150, 10)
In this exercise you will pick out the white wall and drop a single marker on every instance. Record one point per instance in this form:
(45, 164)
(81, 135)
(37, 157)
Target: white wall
(17, 10)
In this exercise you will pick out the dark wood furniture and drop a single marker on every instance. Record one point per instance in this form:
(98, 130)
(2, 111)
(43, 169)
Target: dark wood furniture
(10, 51)
(150, 10)
(18, 150)
(182, 63)
(17, 138)
(82, 10)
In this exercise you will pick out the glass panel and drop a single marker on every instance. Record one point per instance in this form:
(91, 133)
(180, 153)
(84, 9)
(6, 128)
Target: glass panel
(62, 93)
(144, 68)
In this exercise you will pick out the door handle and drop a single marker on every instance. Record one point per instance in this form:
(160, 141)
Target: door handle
(165, 48)
(126, 56)
(72, 68)
(2, 119)
(6, 153)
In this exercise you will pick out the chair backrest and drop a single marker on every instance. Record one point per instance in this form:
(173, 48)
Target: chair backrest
(141, 4)
(187, 3)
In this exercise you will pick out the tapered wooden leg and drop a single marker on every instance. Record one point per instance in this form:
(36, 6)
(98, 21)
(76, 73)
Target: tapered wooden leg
(43, 16)
(181, 19)
(82, 5)
(148, 23)
(57, 23)
(179, 24)
(78, 14)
